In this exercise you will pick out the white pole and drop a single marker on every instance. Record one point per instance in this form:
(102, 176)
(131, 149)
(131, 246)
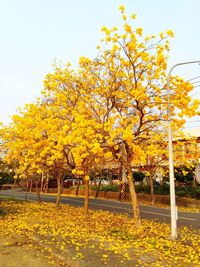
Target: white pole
(171, 165)
(174, 216)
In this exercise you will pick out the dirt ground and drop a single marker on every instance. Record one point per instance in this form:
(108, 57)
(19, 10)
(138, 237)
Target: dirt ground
(18, 253)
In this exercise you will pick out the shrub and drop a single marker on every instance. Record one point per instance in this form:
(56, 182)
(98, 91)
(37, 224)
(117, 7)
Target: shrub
(6, 178)
(187, 191)
(142, 189)
(193, 192)
(162, 190)
(112, 188)
(75, 186)
(180, 193)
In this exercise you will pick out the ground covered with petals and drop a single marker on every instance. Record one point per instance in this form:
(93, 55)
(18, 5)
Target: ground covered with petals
(67, 237)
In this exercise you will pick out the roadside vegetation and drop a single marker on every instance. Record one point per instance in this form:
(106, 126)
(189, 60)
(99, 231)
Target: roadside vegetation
(181, 191)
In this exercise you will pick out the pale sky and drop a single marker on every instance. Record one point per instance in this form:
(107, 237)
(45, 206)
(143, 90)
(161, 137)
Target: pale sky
(36, 32)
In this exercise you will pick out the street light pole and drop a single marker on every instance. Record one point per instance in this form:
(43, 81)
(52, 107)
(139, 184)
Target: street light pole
(173, 207)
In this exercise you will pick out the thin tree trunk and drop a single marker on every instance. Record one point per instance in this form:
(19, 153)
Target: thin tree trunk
(86, 200)
(38, 191)
(97, 189)
(123, 184)
(120, 184)
(136, 212)
(42, 182)
(46, 184)
(31, 185)
(13, 187)
(152, 190)
(58, 197)
(26, 194)
(123, 173)
(61, 184)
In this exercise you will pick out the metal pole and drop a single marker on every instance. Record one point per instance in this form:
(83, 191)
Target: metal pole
(174, 216)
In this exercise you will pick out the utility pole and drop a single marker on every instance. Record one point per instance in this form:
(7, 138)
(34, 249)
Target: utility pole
(174, 214)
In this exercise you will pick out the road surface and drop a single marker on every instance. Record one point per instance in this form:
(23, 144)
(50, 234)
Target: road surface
(147, 212)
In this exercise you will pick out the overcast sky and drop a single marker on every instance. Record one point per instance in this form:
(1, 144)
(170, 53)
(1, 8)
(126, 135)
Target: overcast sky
(36, 32)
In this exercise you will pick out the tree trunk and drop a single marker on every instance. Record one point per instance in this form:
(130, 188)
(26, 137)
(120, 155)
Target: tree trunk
(42, 182)
(26, 195)
(123, 173)
(77, 187)
(123, 184)
(120, 184)
(152, 190)
(13, 187)
(62, 186)
(136, 212)
(46, 184)
(97, 189)
(31, 185)
(58, 197)
(38, 191)
(86, 200)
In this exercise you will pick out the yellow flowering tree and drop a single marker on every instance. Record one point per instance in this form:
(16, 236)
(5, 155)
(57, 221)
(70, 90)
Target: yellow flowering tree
(85, 117)
(130, 77)
(31, 141)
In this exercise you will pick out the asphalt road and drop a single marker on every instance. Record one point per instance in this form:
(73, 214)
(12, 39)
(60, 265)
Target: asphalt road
(147, 212)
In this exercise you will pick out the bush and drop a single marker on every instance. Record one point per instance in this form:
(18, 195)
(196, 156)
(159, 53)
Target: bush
(187, 191)
(142, 189)
(75, 186)
(180, 193)
(112, 188)
(159, 190)
(193, 192)
(162, 190)
(6, 178)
